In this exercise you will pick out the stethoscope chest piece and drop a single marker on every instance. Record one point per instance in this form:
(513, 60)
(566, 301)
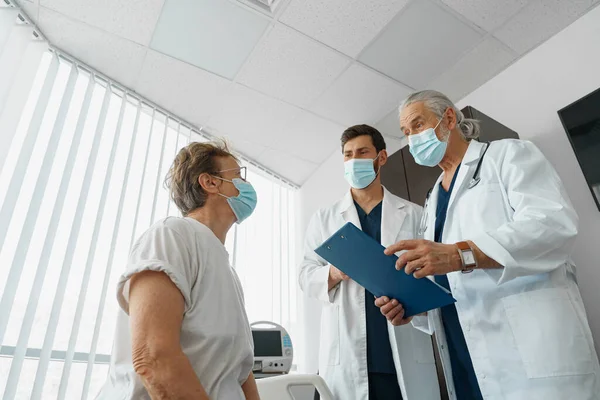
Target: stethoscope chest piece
(474, 182)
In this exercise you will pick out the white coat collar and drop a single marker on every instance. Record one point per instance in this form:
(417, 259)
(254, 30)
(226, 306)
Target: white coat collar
(474, 152)
(391, 215)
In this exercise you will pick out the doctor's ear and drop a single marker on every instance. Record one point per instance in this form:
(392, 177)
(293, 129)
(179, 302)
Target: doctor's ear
(451, 119)
(209, 183)
(383, 157)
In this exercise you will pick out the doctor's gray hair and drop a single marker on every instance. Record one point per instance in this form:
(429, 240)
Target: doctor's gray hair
(438, 103)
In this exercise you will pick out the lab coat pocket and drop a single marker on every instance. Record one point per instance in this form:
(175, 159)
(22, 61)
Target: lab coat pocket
(482, 208)
(330, 341)
(548, 333)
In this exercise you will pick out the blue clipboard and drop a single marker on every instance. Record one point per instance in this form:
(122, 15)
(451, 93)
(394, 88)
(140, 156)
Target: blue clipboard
(361, 258)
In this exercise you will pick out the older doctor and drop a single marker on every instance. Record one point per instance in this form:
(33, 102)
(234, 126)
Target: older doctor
(362, 355)
(499, 229)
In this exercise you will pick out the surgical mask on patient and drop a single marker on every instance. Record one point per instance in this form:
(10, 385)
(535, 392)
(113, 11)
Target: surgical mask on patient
(244, 203)
(359, 172)
(426, 148)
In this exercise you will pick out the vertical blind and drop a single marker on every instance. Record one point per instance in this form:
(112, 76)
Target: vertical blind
(82, 162)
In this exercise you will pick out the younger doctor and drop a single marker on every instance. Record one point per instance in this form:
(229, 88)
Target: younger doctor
(499, 231)
(362, 356)
(172, 339)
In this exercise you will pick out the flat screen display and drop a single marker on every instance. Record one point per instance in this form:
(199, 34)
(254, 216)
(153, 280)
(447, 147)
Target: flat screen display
(267, 343)
(581, 121)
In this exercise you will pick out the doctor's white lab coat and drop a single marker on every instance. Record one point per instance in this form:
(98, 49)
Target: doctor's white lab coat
(525, 325)
(343, 345)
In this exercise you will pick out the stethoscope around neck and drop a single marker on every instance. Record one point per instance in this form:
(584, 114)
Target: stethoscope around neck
(474, 182)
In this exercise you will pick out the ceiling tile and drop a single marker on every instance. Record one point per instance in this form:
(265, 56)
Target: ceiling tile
(345, 25)
(540, 20)
(130, 19)
(488, 14)
(474, 69)
(289, 66)
(427, 39)
(30, 8)
(390, 124)
(215, 35)
(179, 87)
(395, 143)
(359, 96)
(118, 58)
(246, 148)
(288, 166)
(310, 137)
(252, 116)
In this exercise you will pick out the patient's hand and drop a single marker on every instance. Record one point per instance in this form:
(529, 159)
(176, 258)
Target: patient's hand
(392, 310)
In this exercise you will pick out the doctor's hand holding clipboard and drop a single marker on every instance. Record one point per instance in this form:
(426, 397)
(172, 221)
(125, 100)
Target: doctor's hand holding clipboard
(423, 258)
(335, 277)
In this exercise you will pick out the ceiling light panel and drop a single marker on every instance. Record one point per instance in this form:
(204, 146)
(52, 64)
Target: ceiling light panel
(214, 35)
(266, 6)
(420, 44)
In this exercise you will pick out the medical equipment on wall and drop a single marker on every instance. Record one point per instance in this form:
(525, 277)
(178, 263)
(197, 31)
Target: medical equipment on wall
(472, 183)
(273, 351)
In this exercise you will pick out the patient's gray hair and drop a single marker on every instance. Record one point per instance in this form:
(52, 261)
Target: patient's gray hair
(438, 103)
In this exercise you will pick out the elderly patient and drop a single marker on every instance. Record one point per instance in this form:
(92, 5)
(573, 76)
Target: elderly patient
(182, 332)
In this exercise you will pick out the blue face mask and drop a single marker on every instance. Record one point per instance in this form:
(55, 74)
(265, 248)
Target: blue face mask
(359, 172)
(243, 204)
(426, 148)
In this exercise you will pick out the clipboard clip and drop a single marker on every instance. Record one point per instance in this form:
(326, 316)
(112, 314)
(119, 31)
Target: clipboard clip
(341, 236)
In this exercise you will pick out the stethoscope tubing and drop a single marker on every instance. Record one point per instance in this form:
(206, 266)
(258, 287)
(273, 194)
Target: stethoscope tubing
(474, 182)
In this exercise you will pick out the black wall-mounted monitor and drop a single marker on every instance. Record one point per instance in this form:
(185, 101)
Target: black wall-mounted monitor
(581, 121)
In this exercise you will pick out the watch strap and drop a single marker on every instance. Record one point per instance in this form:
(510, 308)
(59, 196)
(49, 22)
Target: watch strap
(462, 248)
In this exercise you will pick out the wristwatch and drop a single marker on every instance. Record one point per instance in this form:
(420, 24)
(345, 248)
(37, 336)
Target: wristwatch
(467, 256)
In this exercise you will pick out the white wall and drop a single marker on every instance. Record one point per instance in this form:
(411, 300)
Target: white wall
(526, 98)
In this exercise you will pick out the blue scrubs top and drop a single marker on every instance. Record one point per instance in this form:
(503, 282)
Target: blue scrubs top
(465, 381)
(379, 351)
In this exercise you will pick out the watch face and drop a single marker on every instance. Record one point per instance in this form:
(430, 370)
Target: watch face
(469, 257)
